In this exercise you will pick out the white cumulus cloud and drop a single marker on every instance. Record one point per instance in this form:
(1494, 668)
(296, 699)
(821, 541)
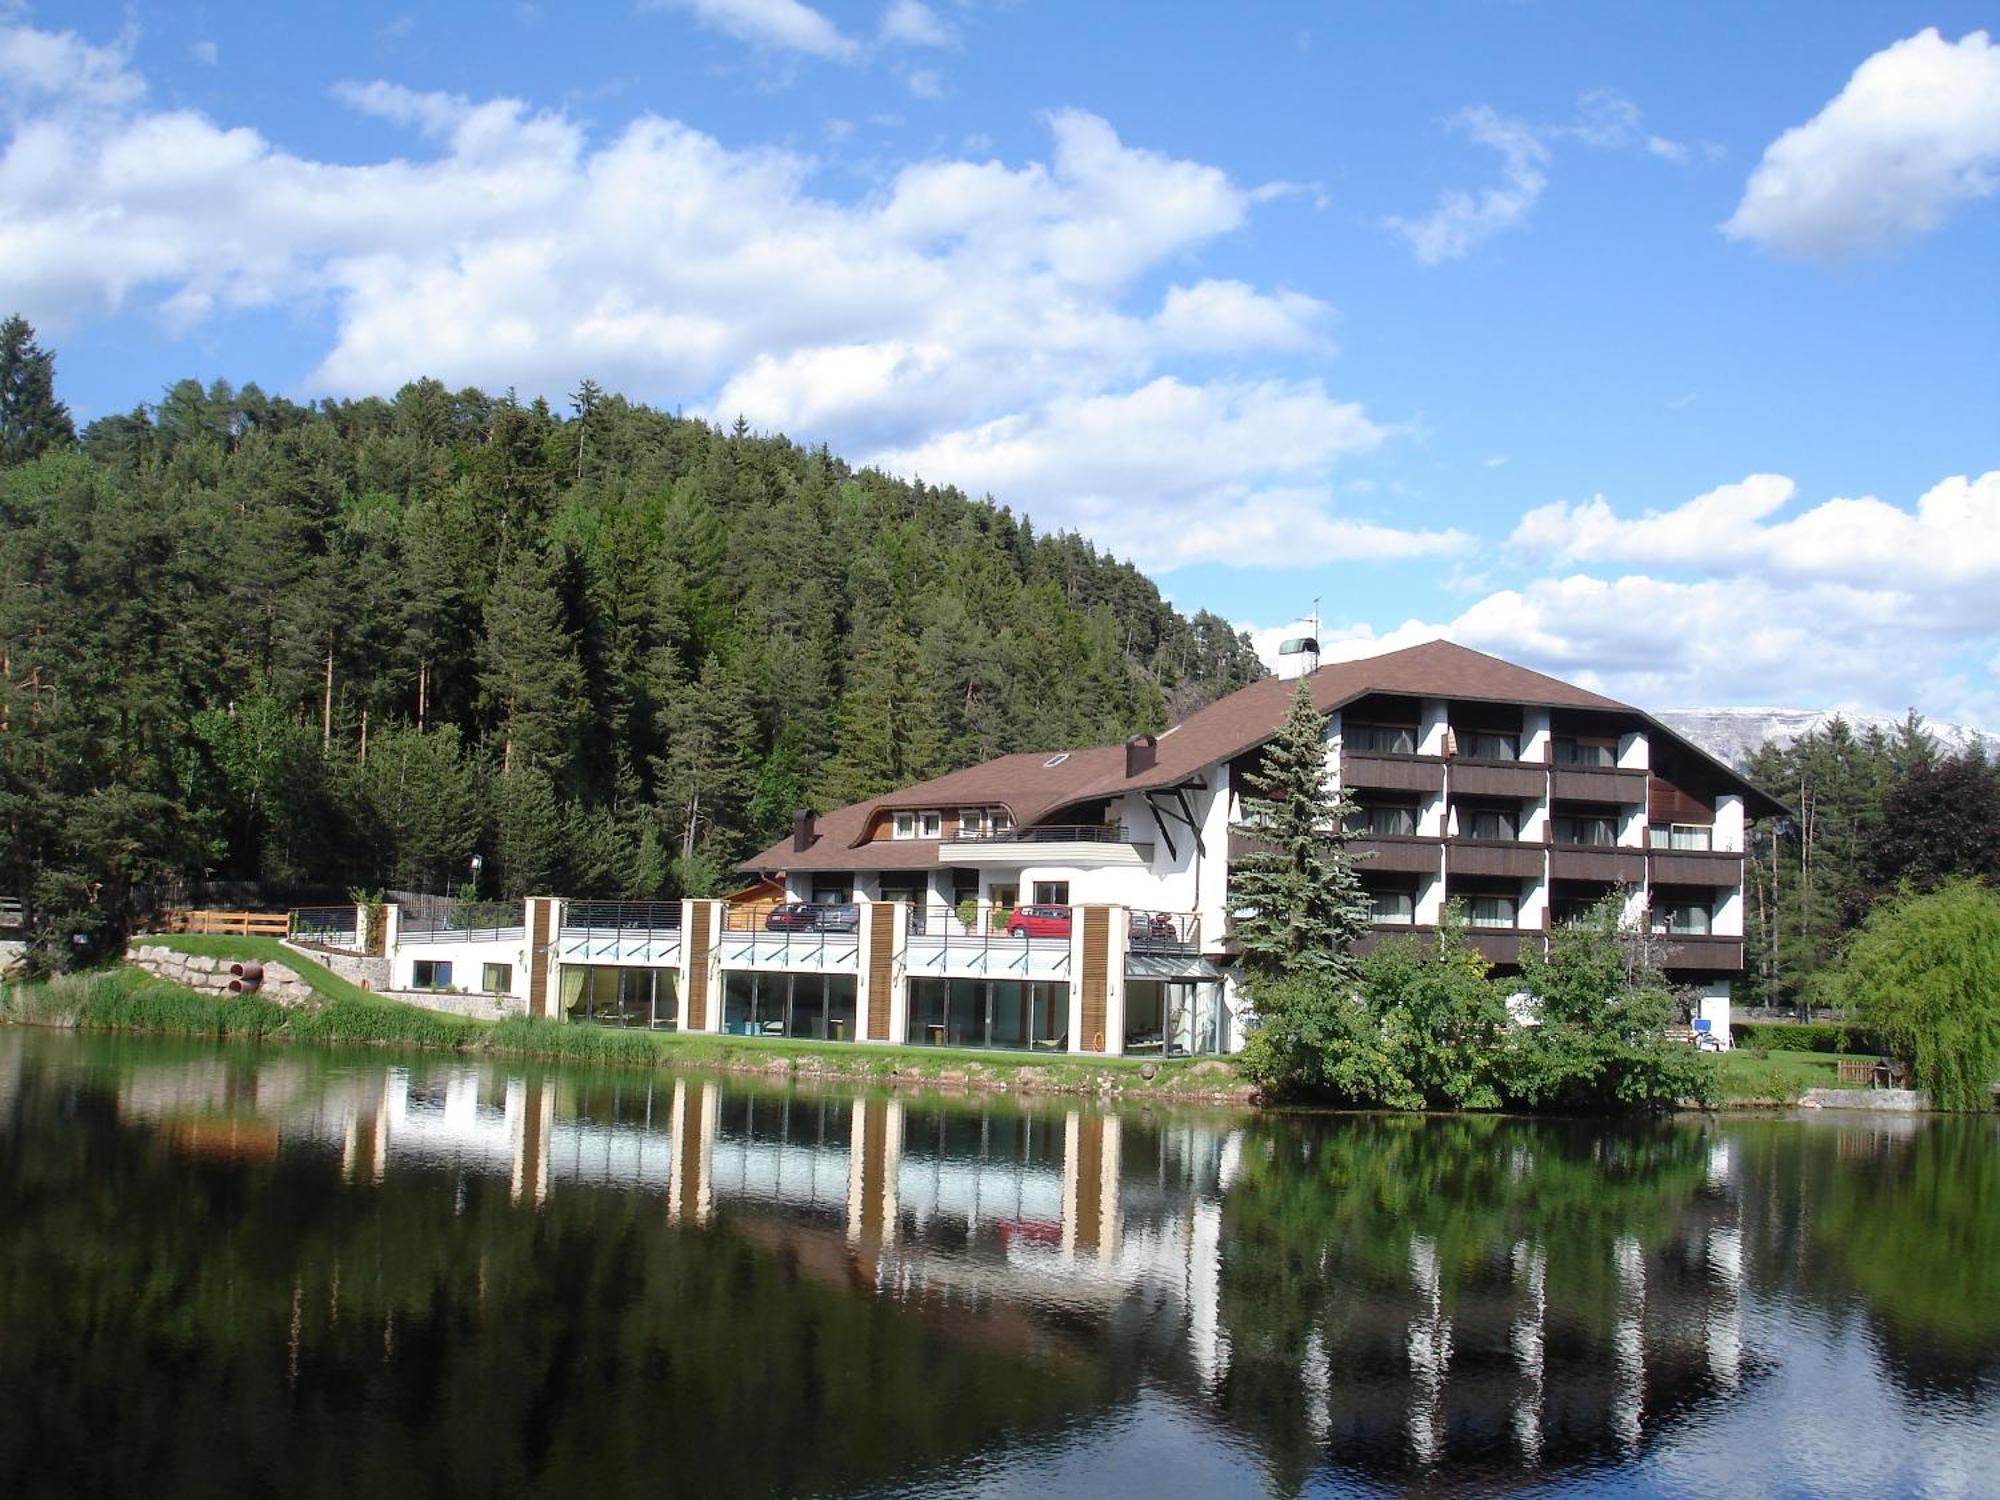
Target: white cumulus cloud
(1914, 134)
(1037, 328)
(1462, 220)
(783, 24)
(911, 23)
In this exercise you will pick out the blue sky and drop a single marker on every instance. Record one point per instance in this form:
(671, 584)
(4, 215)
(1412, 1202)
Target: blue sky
(1652, 345)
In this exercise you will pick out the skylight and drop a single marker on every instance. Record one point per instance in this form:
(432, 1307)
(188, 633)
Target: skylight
(1056, 760)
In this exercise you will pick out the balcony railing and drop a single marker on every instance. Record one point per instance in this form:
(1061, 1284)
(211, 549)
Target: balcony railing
(1045, 833)
(466, 922)
(623, 916)
(326, 927)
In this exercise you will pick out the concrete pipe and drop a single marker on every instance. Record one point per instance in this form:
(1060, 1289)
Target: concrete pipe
(250, 972)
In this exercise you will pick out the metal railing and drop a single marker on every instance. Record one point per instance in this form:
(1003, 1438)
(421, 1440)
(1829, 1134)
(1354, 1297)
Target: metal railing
(1177, 931)
(1045, 833)
(326, 926)
(623, 916)
(795, 917)
(466, 922)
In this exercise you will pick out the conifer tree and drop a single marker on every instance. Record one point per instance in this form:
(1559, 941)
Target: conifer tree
(888, 721)
(529, 669)
(32, 421)
(706, 774)
(529, 833)
(1297, 903)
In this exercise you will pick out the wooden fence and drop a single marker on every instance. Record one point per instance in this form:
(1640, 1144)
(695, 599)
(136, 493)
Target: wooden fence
(229, 923)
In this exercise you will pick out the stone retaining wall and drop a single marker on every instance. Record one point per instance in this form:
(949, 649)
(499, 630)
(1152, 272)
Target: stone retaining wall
(479, 1007)
(1894, 1101)
(356, 969)
(211, 975)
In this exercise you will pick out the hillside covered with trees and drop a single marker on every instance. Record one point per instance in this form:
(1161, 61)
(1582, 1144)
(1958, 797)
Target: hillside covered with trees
(1875, 813)
(607, 649)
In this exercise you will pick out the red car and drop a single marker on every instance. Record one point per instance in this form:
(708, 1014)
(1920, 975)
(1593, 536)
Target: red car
(1039, 921)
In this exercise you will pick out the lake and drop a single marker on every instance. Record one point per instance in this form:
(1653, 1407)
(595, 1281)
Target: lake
(238, 1271)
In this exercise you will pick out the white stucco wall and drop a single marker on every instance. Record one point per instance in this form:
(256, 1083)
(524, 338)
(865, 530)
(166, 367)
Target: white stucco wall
(468, 961)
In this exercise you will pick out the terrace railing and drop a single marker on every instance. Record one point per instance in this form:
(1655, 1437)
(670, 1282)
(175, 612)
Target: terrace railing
(623, 916)
(1045, 833)
(466, 922)
(327, 927)
(1165, 931)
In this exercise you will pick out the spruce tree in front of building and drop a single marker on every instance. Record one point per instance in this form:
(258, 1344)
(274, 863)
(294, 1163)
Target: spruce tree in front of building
(1297, 904)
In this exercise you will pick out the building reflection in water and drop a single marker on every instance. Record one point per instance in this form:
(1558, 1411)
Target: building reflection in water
(1047, 1227)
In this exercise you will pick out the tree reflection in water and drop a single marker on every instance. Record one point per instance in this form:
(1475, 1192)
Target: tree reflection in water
(227, 1270)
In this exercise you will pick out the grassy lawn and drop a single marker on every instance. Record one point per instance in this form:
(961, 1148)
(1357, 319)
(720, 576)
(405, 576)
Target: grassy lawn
(128, 999)
(1782, 1076)
(267, 951)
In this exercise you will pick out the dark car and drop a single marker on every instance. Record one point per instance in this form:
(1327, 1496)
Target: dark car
(793, 916)
(808, 916)
(1039, 921)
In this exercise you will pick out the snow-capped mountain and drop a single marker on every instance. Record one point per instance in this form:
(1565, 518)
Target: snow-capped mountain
(1731, 734)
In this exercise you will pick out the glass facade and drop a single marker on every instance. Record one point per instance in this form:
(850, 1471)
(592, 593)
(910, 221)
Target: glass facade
(1172, 1017)
(607, 995)
(816, 1007)
(1024, 1015)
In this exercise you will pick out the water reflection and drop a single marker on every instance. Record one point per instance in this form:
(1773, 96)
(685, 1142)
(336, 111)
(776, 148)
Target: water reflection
(540, 1281)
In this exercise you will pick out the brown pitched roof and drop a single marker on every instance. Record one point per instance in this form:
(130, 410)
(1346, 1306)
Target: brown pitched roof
(1032, 789)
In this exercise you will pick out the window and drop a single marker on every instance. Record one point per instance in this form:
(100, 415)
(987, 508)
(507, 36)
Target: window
(1483, 746)
(929, 824)
(1602, 832)
(496, 979)
(1577, 752)
(1383, 818)
(1682, 919)
(1491, 911)
(1385, 739)
(1681, 836)
(1052, 893)
(1392, 906)
(1493, 824)
(1056, 760)
(971, 822)
(430, 974)
(903, 825)
(1001, 821)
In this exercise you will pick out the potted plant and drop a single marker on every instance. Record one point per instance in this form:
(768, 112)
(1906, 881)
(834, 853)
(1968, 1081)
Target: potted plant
(968, 914)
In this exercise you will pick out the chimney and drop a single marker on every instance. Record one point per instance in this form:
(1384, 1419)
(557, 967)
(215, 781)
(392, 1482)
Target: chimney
(1140, 753)
(802, 830)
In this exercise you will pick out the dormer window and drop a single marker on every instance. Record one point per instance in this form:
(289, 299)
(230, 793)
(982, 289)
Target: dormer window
(930, 824)
(903, 825)
(1000, 822)
(971, 822)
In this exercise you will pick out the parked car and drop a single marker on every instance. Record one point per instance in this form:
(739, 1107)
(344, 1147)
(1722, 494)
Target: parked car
(808, 916)
(1039, 921)
(839, 916)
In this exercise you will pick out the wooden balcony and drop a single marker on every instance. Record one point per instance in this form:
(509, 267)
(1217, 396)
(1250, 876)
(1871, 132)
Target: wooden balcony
(1396, 854)
(1513, 861)
(1520, 780)
(1701, 867)
(1597, 863)
(1378, 770)
(1598, 784)
(1497, 945)
(1681, 953)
